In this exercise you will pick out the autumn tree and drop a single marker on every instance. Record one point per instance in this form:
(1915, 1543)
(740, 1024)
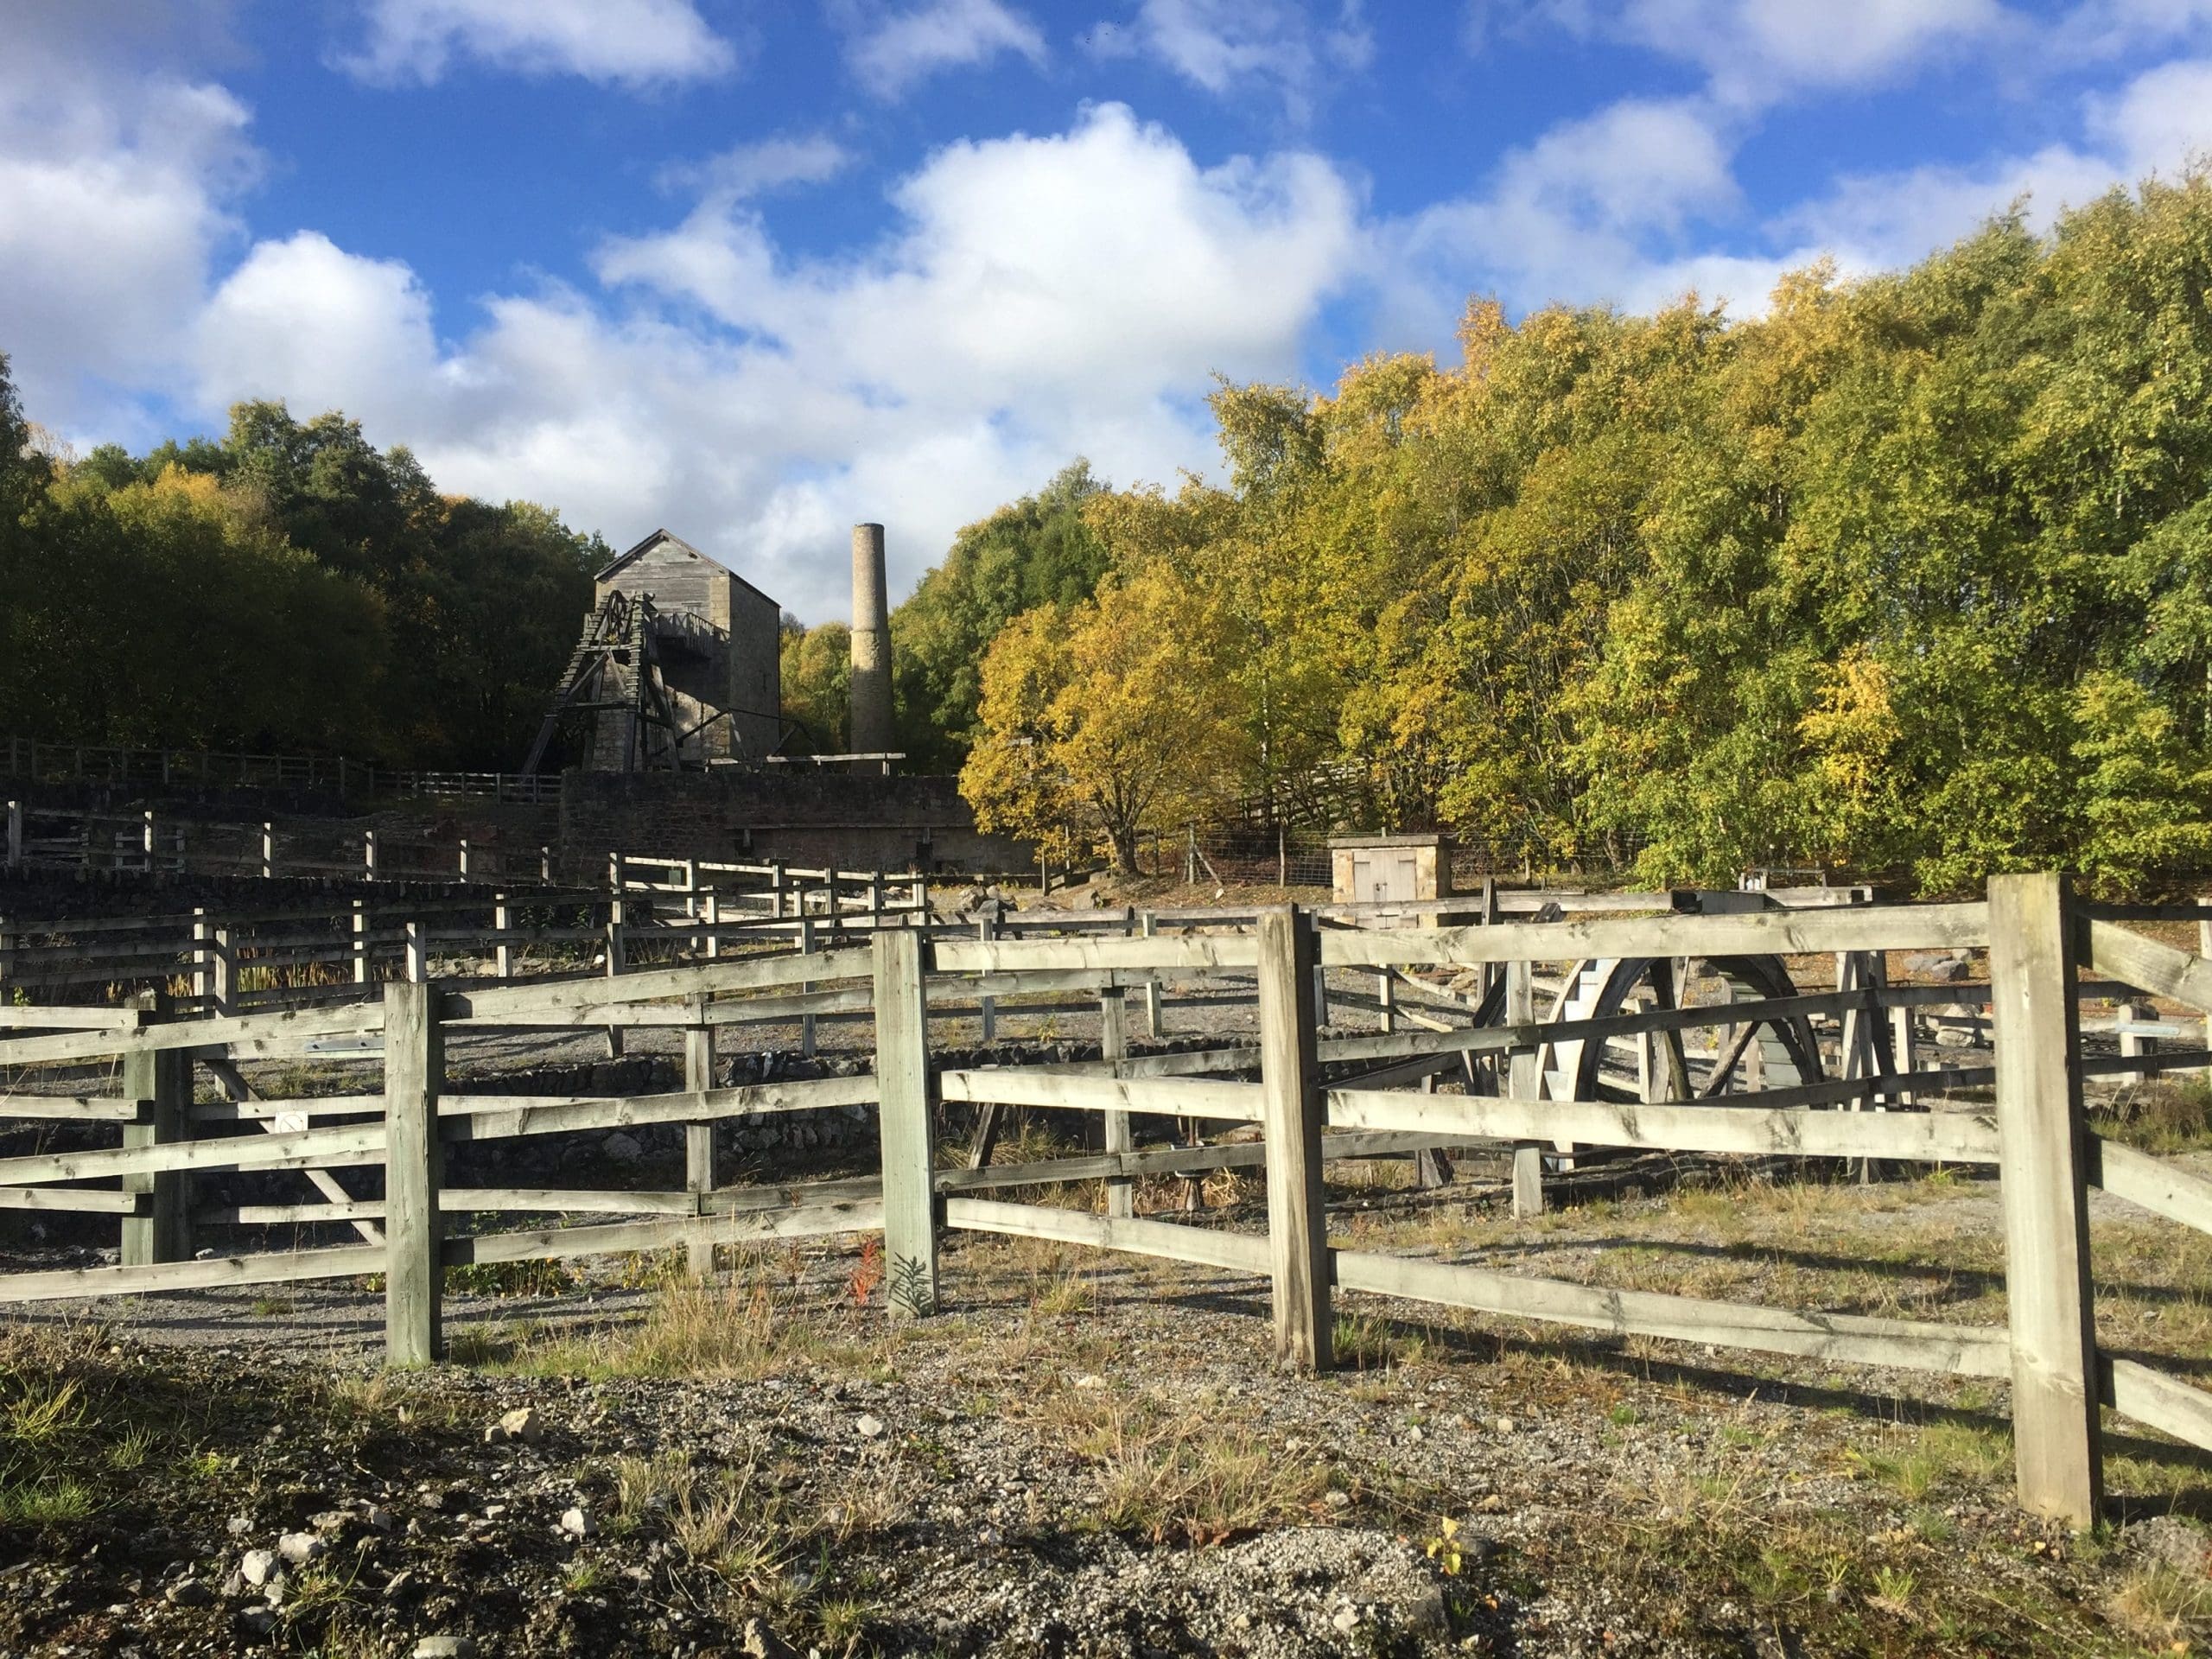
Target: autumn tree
(1101, 723)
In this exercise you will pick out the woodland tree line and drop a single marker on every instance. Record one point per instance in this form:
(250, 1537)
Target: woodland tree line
(1910, 576)
(289, 589)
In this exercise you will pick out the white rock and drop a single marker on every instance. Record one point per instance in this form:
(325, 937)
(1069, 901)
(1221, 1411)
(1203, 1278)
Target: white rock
(870, 1426)
(1089, 1381)
(258, 1566)
(523, 1424)
(446, 1647)
(300, 1547)
(577, 1524)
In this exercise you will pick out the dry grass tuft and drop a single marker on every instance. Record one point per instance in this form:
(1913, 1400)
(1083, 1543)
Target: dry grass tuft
(1174, 1477)
(2157, 1604)
(737, 1331)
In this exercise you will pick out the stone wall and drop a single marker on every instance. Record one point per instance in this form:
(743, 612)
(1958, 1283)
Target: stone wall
(805, 817)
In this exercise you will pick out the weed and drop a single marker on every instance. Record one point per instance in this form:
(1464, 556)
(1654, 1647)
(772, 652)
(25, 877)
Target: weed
(867, 1272)
(44, 1503)
(732, 1331)
(43, 1412)
(1366, 1343)
(1068, 1294)
(129, 1449)
(1177, 1478)
(913, 1288)
(206, 1465)
(511, 1279)
(2156, 1604)
(1893, 1588)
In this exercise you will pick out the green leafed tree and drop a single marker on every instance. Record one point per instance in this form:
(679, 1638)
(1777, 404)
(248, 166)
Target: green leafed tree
(1036, 551)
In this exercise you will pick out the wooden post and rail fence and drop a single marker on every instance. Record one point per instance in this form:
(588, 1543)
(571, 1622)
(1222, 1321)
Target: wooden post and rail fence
(1312, 1100)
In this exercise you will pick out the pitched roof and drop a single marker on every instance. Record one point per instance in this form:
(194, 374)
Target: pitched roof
(647, 546)
(682, 546)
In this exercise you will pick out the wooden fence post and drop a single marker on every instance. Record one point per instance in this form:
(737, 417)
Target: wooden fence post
(146, 838)
(713, 920)
(2058, 1458)
(875, 899)
(223, 970)
(160, 1082)
(908, 1126)
(1114, 1047)
(545, 867)
(503, 921)
(417, 970)
(203, 989)
(15, 834)
(2134, 1045)
(414, 1282)
(360, 941)
(1154, 996)
(2204, 949)
(464, 858)
(1903, 1051)
(617, 949)
(699, 1138)
(987, 1008)
(369, 855)
(806, 1027)
(1524, 1081)
(268, 852)
(1290, 1079)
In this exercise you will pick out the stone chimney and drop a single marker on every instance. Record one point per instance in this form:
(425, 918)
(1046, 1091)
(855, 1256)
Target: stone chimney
(871, 691)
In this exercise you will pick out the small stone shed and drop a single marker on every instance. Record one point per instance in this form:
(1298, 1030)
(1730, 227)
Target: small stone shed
(1389, 869)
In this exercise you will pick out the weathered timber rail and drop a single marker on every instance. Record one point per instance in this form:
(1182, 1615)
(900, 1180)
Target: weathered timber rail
(1607, 1070)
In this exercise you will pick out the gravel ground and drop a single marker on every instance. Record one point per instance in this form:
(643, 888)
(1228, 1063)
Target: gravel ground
(1083, 1455)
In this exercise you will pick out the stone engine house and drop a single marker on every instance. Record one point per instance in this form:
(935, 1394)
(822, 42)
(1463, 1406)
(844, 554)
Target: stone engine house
(717, 638)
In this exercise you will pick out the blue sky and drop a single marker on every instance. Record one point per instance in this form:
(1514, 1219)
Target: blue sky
(757, 270)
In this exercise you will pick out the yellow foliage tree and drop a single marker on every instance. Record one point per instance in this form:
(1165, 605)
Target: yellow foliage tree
(1102, 721)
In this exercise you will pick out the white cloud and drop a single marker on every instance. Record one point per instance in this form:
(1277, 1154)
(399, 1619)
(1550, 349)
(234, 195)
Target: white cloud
(2160, 121)
(1040, 297)
(756, 169)
(1757, 51)
(301, 320)
(1230, 46)
(890, 51)
(1576, 215)
(116, 189)
(628, 42)
(2105, 29)
(1638, 205)
(2156, 124)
